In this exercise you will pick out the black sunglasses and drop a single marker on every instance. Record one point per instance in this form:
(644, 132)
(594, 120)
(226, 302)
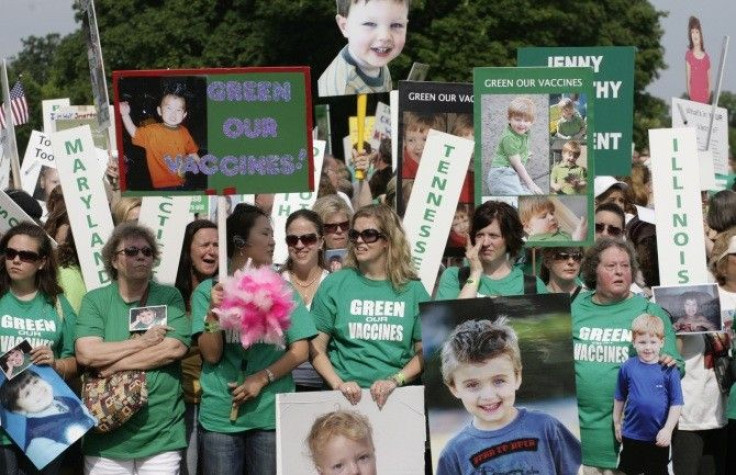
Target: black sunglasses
(306, 239)
(612, 230)
(25, 256)
(563, 256)
(133, 251)
(369, 235)
(332, 228)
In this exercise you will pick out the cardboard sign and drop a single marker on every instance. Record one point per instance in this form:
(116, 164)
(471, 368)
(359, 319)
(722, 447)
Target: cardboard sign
(38, 174)
(286, 203)
(96, 66)
(676, 186)
(241, 130)
(433, 201)
(528, 159)
(698, 117)
(613, 81)
(48, 107)
(86, 201)
(398, 430)
(10, 213)
(167, 216)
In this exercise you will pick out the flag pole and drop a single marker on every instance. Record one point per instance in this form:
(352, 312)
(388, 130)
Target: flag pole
(10, 129)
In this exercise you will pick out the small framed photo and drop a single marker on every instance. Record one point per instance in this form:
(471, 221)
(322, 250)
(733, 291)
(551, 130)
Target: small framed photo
(692, 308)
(16, 360)
(143, 318)
(334, 259)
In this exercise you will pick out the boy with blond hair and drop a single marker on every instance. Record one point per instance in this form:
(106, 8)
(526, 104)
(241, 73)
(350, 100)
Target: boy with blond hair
(376, 33)
(342, 442)
(571, 124)
(567, 177)
(481, 366)
(653, 398)
(508, 174)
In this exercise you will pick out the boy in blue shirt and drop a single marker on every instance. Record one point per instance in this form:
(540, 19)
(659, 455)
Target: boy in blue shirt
(653, 399)
(481, 366)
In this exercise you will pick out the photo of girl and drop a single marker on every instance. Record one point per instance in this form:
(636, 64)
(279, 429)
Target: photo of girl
(697, 64)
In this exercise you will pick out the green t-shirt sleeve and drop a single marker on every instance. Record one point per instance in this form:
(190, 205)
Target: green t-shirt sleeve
(449, 286)
(510, 146)
(541, 288)
(324, 307)
(89, 320)
(176, 318)
(421, 296)
(200, 305)
(69, 328)
(302, 326)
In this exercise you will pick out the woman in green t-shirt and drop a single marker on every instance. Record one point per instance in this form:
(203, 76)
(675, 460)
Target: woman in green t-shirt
(30, 294)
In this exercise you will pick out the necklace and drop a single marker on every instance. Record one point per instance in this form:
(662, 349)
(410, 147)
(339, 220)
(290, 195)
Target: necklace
(304, 284)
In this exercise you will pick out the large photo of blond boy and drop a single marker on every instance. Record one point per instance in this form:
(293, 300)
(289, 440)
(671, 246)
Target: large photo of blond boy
(500, 385)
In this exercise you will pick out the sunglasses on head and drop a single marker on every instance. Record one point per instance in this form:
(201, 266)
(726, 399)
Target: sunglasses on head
(25, 256)
(563, 256)
(332, 228)
(133, 251)
(306, 239)
(612, 230)
(368, 235)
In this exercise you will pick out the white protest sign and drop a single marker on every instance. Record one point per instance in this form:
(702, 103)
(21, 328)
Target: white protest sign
(39, 156)
(167, 216)
(10, 213)
(697, 116)
(4, 162)
(86, 201)
(394, 109)
(680, 237)
(286, 203)
(382, 124)
(48, 107)
(433, 200)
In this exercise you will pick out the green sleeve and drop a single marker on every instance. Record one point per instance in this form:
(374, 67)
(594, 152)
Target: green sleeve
(421, 296)
(449, 286)
(200, 305)
(176, 317)
(324, 307)
(302, 325)
(89, 320)
(69, 327)
(541, 288)
(511, 145)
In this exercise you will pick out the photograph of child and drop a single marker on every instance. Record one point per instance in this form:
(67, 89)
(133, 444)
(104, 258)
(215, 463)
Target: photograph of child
(553, 219)
(16, 360)
(321, 433)
(161, 116)
(342, 442)
(48, 179)
(652, 395)
(376, 32)
(143, 318)
(41, 414)
(514, 145)
(497, 372)
(692, 308)
(571, 124)
(568, 176)
(334, 259)
(697, 64)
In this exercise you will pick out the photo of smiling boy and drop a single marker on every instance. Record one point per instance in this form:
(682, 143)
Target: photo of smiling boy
(481, 366)
(508, 174)
(653, 398)
(567, 177)
(376, 33)
(168, 143)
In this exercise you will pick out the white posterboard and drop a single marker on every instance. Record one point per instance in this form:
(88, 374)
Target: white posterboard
(167, 217)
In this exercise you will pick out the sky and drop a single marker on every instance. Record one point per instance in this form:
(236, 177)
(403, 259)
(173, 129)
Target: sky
(40, 17)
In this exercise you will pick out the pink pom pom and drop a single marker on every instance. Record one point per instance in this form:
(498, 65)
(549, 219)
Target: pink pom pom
(257, 303)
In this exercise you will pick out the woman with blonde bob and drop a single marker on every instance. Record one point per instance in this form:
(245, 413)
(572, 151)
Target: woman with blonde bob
(367, 314)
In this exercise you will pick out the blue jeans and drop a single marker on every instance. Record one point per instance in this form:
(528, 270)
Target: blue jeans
(252, 452)
(15, 462)
(190, 456)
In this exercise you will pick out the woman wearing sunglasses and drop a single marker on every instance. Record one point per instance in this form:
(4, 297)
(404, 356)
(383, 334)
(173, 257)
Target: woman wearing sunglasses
(245, 379)
(367, 313)
(152, 439)
(303, 268)
(335, 215)
(560, 269)
(30, 294)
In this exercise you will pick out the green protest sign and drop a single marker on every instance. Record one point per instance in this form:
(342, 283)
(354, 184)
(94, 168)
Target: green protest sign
(613, 82)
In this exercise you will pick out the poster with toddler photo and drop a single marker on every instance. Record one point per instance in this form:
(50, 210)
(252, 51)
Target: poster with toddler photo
(41, 414)
(143, 318)
(542, 324)
(318, 432)
(692, 308)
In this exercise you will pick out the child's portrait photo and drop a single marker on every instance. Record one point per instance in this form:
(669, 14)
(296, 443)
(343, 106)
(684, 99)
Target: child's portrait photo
(334, 259)
(48, 179)
(375, 31)
(143, 318)
(551, 220)
(499, 377)
(164, 132)
(16, 360)
(692, 308)
(41, 414)
(569, 165)
(321, 433)
(514, 145)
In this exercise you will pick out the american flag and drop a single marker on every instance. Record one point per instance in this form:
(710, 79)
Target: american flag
(18, 106)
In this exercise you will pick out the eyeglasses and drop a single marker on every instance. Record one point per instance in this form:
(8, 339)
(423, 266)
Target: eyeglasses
(332, 228)
(133, 251)
(612, 230)
(25, 256)
(368, 235)
(564, 256)
(306, 239)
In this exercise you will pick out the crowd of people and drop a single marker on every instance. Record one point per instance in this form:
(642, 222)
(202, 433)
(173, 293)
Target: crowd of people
(211, 403)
